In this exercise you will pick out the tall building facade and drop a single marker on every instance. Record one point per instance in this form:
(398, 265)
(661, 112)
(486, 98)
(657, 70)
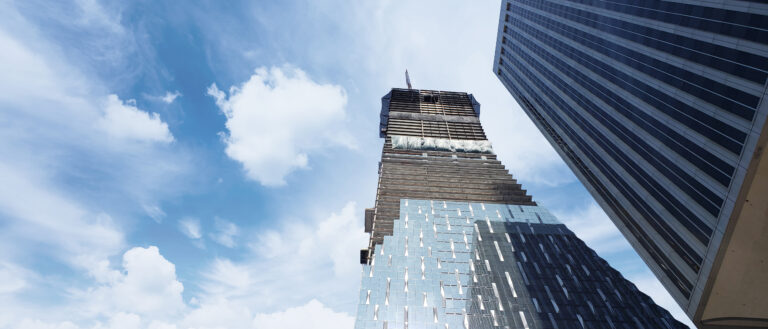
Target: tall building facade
(659, 108)
(457, 243)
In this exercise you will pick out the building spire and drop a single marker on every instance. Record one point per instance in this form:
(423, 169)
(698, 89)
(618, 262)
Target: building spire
(407, 79)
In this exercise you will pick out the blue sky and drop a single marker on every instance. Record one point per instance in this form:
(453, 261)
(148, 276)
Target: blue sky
(206, 164)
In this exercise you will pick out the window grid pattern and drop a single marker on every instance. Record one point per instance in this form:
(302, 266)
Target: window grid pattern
(478, 265)
(653, 103)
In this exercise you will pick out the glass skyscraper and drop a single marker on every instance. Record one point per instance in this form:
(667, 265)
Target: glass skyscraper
(659, 108)
(457, 243)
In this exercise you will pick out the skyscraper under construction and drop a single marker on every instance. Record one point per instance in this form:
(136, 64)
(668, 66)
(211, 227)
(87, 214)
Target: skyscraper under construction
(457, 243)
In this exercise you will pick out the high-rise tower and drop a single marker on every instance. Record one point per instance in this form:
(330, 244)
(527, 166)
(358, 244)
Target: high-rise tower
(659, 108)
(456, 243)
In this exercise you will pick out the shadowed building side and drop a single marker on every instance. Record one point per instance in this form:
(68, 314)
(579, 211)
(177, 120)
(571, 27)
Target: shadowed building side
(659, 107)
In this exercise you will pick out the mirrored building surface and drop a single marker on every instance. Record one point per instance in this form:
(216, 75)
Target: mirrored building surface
(476, 265)
(659, 107)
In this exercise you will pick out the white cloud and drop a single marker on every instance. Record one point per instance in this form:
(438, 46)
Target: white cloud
(277, 118)
(191, 227)
(154, 212)
(219, 314)
(72, 234)
(296, 275)
(144, 293)
(12, 278)
(119, 320)
(225, 232)
(298, 317)
(123, 320)
(304, 260)
(146, 286)
(69, 148)
(37, 324)
(125, 120)
(171, 96)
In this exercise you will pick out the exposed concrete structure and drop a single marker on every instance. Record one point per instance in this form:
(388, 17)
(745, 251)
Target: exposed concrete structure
(434, 173)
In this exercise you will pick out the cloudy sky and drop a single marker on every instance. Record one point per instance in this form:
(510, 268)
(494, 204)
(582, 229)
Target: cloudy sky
(206, 165)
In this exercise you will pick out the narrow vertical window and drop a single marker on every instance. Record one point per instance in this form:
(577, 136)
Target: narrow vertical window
(637, 322)
(552, 299)
(601, 294)
(442, 290)
(498, 250)
(522, 272)
(466, 243)
(511, 285)
(405, 317)
(498, 297)
(386, 296)
(522, 319)
(422, 268)
(421, 238)
(406, 279)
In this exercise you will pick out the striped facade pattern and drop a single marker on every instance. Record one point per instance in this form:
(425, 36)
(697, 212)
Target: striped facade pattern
(438, 175)
(655, 105)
